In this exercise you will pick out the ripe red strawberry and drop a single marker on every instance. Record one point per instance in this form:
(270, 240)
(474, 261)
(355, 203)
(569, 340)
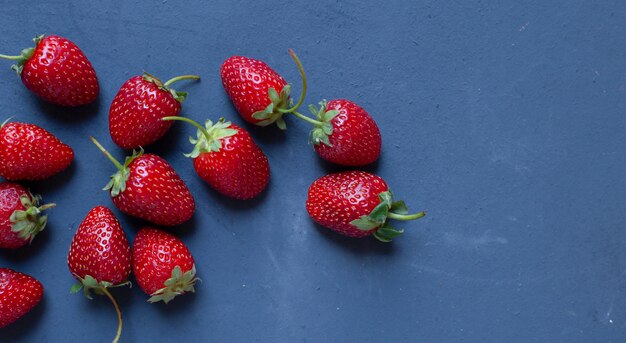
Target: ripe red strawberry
(28, 152)
(259, 94)
(356, 204)
(345, 134)
(19, 293)
(162, 264)
(99, 256)
(136, 112)
(20, 215)
(147, 187)
(100, 250)
(57, 71)
(226, 157)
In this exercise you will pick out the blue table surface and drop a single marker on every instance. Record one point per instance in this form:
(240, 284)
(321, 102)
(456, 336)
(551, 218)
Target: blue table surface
(504, 120)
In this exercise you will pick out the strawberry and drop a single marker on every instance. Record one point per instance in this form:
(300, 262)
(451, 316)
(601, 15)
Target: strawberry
(259, 94)
(162, 264)
(57, 71)
(99, 256)
(100, 250)
(226, 157)
(134, 116)
(356, 204)
(28, 152)
(147, 187)
(20, 215)
(19, 293)
(345, 133)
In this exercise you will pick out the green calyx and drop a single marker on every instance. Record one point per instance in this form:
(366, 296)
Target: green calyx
(118, 180)
(29, 222)
(323, 128)
(24, 56)
(208, 138)
(387, 208)
(179, 283)
(179, 96)
(89, 283)
(281, 104)
(273, 113)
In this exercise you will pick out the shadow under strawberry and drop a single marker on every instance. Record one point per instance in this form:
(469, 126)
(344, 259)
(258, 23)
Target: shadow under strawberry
(359, 246)
(330, 167)
(166, 147)
(236, 204)
(71, 116)
(54, 182)
(25, 326)
(133, 224)
(182, 304)
(185, 230)
(29, 251)
(272, 135)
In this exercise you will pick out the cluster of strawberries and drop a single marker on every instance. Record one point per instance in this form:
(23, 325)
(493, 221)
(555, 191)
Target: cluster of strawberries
(352, 203)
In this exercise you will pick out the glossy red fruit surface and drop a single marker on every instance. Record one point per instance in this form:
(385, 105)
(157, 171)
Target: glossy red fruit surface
(21, 216)
(100, 249)
(356, 204)
(155, 192)
(19, 293)
(337, 199)
(239, 169)
(59, 72)
(162, 264)
(355, 139)
(247, 82)
(29, 152)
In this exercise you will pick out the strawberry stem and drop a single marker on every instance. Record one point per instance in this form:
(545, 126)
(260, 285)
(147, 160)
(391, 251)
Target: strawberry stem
(46, 206)
(406, 216)
(192, 122)
(303, 93)
(107, 154)
(5, 122)
(14, 58)
(182, 77)
(119, 314)
(307, 119)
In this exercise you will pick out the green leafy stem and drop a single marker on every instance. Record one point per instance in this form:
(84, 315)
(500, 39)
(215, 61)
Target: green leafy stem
(377, 218)
(89, 283)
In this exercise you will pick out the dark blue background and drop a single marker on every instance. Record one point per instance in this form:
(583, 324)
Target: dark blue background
(505, 120)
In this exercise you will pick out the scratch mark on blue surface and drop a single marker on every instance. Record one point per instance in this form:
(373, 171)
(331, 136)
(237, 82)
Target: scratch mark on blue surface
(456, 239)
(492, 281)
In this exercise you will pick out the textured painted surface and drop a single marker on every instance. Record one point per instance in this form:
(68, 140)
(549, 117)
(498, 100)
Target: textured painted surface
(504, 119)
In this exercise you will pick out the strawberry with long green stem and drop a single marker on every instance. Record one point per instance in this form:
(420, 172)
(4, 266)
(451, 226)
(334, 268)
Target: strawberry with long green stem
(259, 94)
(147, 187)
(343, 132)
(100, 257)
(357, 204)
(57, 71)
(136, 111)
